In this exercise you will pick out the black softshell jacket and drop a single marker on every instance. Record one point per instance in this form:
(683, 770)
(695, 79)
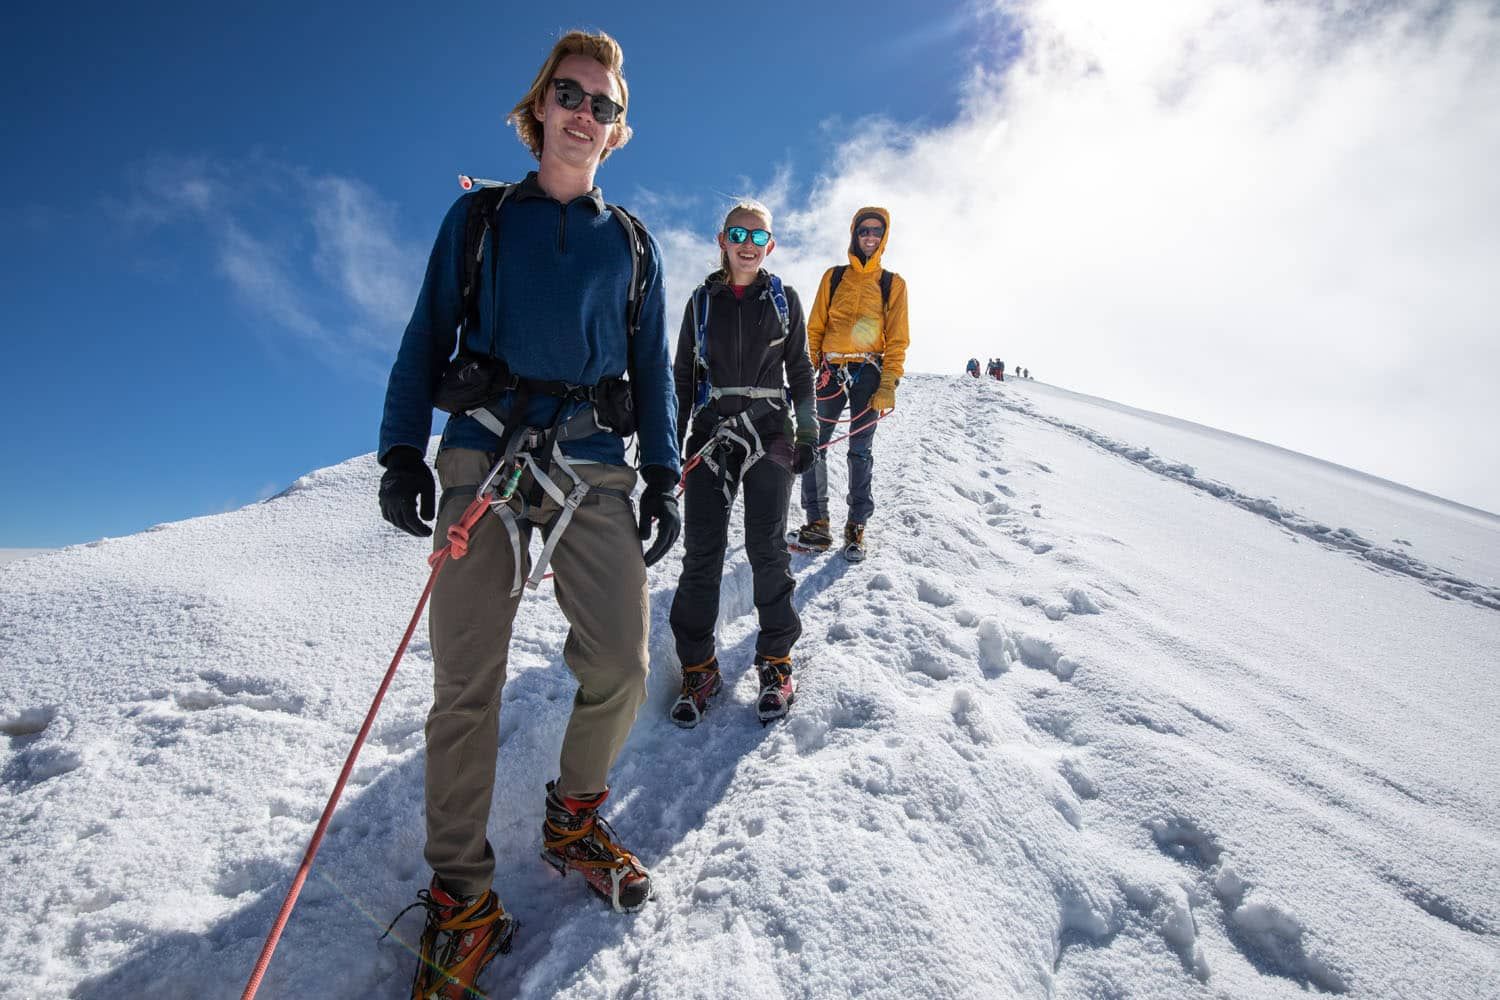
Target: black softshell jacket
(742, 350)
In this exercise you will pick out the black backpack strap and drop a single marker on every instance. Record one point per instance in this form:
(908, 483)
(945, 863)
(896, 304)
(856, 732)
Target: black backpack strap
(885, 283)
(834, 279)
(637, 237)
(483, 206)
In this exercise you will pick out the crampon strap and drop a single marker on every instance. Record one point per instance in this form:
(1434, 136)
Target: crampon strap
(619, 864)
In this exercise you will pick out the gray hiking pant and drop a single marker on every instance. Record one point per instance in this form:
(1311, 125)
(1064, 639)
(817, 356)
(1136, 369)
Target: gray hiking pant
(600, 584)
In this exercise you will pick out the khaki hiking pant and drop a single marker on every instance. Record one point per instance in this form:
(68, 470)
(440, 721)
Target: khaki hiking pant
(600, 583)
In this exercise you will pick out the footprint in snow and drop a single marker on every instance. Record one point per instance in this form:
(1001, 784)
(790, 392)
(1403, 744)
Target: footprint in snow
(1274, 941)
(1466, 916)
(931, 592)
(224, 691)
(37, 764)
(1184, 840)
(25, 726)
(1271, 938)
(1040, 654)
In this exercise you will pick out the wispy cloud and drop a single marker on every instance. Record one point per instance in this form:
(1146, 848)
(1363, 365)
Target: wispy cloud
(357, 252)
(1282, 219)
(316, 256)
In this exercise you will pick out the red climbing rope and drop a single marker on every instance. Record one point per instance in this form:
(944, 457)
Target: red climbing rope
(693, 462)
(457, 547)
(845, 437)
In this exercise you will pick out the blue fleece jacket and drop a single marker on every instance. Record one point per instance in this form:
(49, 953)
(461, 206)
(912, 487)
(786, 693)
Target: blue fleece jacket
(551, 302)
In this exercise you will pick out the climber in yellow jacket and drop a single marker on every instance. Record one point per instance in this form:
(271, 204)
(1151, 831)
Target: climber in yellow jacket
(856, 337)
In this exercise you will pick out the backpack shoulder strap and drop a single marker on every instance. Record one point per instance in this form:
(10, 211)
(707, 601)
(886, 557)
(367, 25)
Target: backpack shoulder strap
(834, 279)
(886, 277)
(699, 302)
(484, 205)
(639, 240)
(783, 310)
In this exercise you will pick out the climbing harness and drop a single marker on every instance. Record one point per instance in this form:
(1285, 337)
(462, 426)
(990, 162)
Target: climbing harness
(739, 429)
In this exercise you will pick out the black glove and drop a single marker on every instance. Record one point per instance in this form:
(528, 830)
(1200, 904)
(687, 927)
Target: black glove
(804, 458)
(659, 504)
(406, 479)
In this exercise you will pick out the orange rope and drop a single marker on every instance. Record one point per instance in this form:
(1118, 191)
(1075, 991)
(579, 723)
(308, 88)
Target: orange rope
(457, 547)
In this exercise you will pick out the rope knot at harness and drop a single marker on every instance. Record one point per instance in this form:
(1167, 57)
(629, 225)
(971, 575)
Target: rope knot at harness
(458, 534)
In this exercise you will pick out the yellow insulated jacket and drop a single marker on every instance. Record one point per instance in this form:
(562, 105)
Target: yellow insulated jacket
(856, 322)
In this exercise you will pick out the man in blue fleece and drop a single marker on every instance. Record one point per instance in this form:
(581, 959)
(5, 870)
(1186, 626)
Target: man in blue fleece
(550, 303)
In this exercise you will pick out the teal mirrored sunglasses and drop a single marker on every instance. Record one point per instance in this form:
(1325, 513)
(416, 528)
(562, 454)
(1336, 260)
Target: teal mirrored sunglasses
(739, 234)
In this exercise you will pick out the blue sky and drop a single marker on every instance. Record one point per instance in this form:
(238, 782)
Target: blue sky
(182, 339)
(1279, 218)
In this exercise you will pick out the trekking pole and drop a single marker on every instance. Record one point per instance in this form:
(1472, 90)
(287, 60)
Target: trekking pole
(457, 548)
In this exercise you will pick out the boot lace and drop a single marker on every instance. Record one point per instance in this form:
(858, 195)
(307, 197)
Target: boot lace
(443, 938)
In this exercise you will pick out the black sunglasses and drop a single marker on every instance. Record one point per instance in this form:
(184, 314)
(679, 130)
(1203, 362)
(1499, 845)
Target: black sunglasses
(864, 231)
(570, 94)
(739, 234)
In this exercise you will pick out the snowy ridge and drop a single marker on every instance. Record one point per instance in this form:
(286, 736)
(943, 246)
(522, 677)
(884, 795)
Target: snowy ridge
(1443, 583)
(1074, 729)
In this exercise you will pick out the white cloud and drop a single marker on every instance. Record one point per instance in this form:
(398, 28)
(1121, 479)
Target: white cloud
(358, 253)
(1282, 219)
(316, 256)
(260, 278)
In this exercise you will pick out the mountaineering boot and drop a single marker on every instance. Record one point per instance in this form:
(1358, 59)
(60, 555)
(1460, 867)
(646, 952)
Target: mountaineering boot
(815, 535)
(700, 682)
(462, 934)
(777, 688)
(854, 542)
(575, 837)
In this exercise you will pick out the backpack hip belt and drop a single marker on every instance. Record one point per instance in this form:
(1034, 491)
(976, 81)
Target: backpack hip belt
(475, 383)
(585, 423)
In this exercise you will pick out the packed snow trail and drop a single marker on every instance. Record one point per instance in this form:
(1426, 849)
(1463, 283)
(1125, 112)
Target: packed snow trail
(1073, 729)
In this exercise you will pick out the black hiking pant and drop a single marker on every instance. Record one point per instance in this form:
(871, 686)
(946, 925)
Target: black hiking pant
(767, 486)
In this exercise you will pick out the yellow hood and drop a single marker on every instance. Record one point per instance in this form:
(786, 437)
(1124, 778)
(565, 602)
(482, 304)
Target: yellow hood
(863, 320)
(873, 264)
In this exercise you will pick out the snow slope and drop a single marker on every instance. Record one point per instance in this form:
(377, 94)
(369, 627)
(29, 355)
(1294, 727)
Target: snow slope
(1092, 721)
(12, 555)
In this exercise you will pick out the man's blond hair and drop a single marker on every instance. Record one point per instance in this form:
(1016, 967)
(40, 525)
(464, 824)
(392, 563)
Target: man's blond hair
(599, 47)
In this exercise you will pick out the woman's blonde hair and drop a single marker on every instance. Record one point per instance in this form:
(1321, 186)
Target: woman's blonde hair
(746, 205)
(599, 47)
